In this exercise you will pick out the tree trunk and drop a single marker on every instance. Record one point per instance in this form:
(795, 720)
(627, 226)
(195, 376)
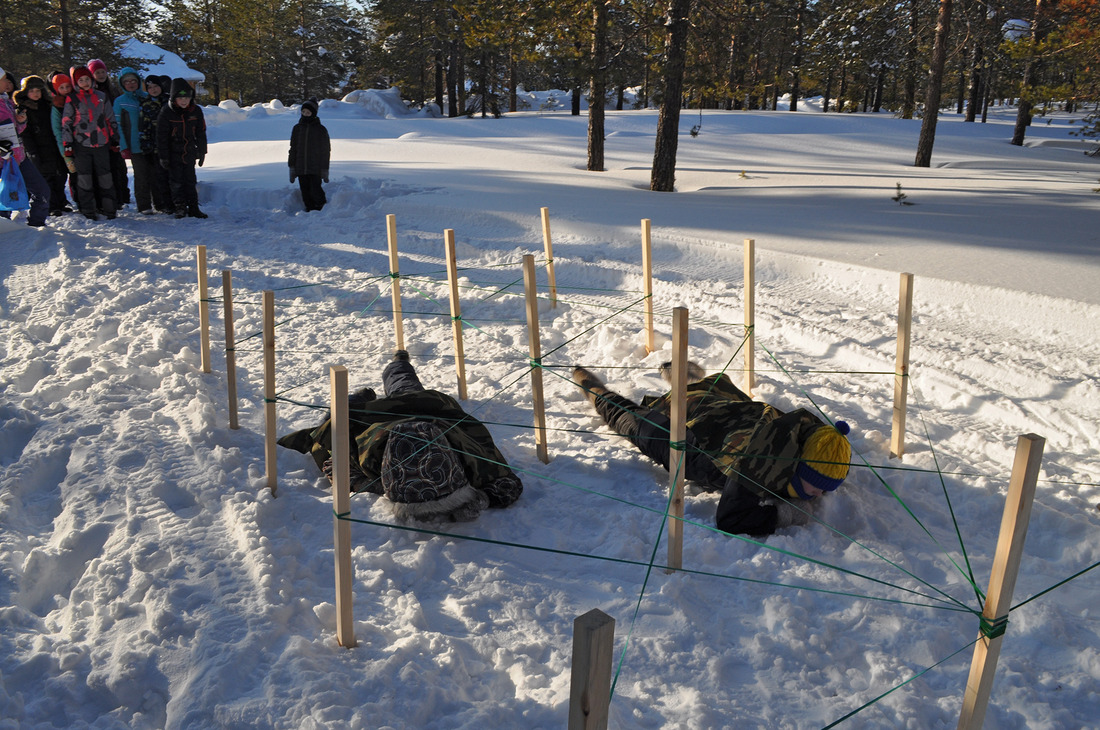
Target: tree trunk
(1023, 111)
(935, 87)
(663, 176)
(597, 87)
(796, 62)
(974, 93)
(909, 100)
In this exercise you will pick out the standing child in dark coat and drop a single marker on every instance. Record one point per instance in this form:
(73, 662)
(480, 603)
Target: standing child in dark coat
(101, 79)
(181, 142)
(156, 90)
(39, 141)
(309, 156)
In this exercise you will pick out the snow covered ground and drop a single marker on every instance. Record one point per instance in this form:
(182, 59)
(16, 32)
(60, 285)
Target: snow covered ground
(148, 578)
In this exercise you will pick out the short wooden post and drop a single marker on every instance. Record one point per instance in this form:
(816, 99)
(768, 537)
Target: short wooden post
(204, 310)
(750, 315)
(341, 503)
(549, 246)
(456, 310)
(270, 459)
(230, 347)
(530, 291)
(395, 282)
(677, 454)
(647, 284)
(590, 679)
(901, 368)
(1002, 581)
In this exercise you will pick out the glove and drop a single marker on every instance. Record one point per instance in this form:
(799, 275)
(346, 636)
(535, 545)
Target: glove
(68, 150)
(293, 175)
(790, 515)
(164, 164)
(126, 155)
(114, 149)
(202, 159)
(69, 163)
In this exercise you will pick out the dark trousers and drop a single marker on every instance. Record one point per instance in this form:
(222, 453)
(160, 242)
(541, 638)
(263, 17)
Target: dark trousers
(649, 430)
(118, 176)
(400, 377)
(313, 195)
(145, 167)
(159, 185)
(184, 186)
(93, 172)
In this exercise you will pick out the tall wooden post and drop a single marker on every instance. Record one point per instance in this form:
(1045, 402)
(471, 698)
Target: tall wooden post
(230, 347)
(1002, 581)
(270, 460)
(750, 315)
(341, 503)
(590, 679)
(677, 454)
(901, 368)
(204, 309)
(395, 283)
(549, 246)
(530, 291)
(456, 310)
(647, 284)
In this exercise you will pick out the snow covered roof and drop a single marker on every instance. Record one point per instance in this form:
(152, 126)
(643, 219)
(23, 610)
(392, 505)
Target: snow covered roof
(160, 61)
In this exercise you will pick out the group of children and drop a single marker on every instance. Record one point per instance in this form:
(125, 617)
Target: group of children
(79, 128)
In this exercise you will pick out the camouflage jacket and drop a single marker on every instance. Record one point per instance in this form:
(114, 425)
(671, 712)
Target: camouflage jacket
(471, 442)
(751, 449)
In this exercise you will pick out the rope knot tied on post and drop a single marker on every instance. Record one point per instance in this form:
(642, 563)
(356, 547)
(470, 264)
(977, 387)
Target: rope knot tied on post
(992, 628)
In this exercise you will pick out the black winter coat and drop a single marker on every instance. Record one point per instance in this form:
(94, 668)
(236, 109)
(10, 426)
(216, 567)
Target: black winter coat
(309, 148)
(181, 134)
(38, 139)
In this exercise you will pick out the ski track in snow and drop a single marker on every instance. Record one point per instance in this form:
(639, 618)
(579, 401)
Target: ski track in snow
(153, 581)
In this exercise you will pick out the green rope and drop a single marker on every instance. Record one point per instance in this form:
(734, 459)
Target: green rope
(1059, 584)
(899, 686)
(991, 628)
(888, 488)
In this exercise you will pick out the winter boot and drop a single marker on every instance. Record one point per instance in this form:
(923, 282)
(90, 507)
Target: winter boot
(181, 211)
(194, 212)
(593, 386)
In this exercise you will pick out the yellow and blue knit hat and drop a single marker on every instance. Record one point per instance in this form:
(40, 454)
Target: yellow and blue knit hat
(824, 459)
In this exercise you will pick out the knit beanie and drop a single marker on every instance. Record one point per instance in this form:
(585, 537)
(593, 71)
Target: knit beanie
(96, 64)
(78, 72)
(181, 88)
(824, 459)
(58, 79)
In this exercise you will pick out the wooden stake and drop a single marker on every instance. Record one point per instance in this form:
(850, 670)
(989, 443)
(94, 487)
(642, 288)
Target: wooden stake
(750, 315)
(901, 371)
(204, 310)
(677, 456)
(341, 501)
(647, 285)
(230, 347)
(549, 246)
(270, 459)
(456, 310)
(590, 679)
(531, 291)
(1002, 581)
(395, 282)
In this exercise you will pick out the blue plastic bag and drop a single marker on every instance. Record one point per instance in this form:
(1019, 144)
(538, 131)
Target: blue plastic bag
(13, 191)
